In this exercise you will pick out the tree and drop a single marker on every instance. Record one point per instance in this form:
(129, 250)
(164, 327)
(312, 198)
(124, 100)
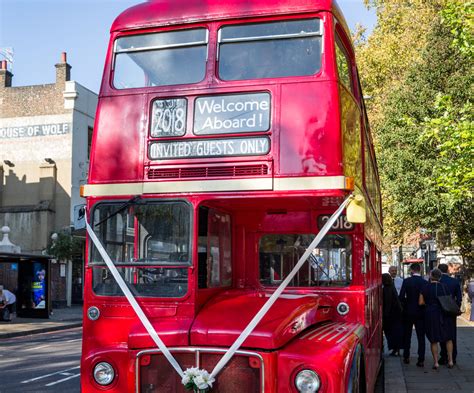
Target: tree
(64, 247)
(423, 121)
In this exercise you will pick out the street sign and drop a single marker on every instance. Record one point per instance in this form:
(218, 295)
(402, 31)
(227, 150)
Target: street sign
(79, 214)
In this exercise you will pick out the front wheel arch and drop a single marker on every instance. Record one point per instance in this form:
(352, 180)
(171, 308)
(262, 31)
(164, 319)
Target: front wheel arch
(356, 381)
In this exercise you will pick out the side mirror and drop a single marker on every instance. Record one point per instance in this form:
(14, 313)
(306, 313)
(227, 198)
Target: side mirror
(355, 211)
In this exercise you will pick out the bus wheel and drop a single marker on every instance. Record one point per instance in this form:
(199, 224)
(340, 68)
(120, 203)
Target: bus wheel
(354, 377)
(380, 382)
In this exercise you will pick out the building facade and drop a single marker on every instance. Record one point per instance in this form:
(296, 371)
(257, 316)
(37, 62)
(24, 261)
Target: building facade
(45, 133)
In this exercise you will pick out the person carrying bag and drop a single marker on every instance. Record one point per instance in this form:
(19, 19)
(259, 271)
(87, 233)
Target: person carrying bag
(447, 303)
(440, 326)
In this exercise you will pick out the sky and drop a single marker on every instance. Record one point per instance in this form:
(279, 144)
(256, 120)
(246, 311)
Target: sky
(40, 30)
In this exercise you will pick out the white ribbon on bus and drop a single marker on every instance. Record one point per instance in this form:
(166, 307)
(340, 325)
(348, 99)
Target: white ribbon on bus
(253, 323)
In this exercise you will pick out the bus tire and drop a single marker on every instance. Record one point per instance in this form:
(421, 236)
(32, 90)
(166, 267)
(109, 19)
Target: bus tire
(354, 383)
(380, 382)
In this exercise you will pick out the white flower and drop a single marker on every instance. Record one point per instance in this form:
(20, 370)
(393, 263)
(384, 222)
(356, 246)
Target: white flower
(200, 382)
(189, 374)
(186, 379)
(192, 371)
(201, 379)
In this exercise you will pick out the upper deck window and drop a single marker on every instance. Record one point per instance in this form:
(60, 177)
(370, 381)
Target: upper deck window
(343, 65)
(167, 58)
(270, 50)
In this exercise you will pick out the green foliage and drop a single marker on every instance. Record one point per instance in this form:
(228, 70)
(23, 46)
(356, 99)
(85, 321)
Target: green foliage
(64, 247)
(450, 132)
(418, 66)
(458, 16)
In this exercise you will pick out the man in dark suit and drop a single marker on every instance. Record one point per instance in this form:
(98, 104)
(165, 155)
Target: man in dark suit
(413, 313)
(454, 288)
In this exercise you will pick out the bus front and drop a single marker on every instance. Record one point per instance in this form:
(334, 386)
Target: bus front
(218, 154)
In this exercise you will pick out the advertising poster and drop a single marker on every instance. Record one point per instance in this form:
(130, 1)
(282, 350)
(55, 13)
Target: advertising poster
(38, 286)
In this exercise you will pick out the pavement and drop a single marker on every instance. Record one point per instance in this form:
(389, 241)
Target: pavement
(60, 319)
(403, 378)
(399, 377)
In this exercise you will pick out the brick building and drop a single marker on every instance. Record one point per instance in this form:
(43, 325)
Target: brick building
(45, 133)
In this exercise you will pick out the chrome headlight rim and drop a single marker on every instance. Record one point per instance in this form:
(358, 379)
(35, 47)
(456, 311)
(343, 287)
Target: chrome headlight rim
(93, 313)
(343, 308)
(101, 367)
(306, 376)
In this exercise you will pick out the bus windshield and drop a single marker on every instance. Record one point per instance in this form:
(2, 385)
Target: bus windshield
(150, 242)
(270, 50)
(328, 265)
(167, 58)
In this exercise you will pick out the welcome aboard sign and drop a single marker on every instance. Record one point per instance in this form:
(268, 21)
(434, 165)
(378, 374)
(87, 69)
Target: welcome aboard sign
(213, 115)
(232, 113)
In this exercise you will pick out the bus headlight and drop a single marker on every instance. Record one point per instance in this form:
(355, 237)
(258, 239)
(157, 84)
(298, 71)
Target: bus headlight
(93, 313)
(104, 373)
(307, 381)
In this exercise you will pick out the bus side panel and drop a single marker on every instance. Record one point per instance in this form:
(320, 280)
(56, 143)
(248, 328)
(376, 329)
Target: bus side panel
(117, 148)
(309, 125)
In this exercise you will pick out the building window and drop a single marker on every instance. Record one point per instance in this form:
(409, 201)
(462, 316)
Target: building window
(90, 131)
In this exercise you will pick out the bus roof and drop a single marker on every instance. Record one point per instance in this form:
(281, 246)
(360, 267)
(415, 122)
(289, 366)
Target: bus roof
(173, 12)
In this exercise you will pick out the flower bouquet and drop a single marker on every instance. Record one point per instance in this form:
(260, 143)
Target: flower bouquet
(198, 380)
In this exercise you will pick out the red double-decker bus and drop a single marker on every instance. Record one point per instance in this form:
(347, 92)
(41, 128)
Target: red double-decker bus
(227, 136)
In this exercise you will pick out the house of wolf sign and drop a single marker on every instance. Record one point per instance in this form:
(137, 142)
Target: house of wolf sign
(35, 130)
(232, 113)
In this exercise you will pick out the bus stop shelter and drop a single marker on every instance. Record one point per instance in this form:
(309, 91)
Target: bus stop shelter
(28, 276)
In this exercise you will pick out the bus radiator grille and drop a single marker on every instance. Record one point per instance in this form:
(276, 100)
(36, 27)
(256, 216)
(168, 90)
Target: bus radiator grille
(242, 373)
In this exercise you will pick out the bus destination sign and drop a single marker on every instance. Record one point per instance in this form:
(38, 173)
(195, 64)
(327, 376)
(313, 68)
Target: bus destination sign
(232, 113)
(169, 118)
(209, 148)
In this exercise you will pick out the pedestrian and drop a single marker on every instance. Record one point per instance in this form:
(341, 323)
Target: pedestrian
(7, 304)
(454, 289)
(392, 315)
(470, 293)
(413, 313)
(439, 326)
(397, 281)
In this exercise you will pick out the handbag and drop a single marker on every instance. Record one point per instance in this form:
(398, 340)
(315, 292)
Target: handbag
(447, 303)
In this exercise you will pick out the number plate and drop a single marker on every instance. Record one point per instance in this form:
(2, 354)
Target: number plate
(169, 118)
(340, 225)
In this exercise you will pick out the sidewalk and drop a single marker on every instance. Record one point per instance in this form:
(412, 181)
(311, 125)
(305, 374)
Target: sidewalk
(403, 378)
(62, 318)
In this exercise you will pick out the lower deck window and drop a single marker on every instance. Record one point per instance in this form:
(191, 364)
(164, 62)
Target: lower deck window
(142, 281)
(328, 265)
(214, 249)
(149, 242)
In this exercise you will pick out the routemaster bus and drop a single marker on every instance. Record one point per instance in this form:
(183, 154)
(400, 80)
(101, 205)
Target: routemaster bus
(230, 148)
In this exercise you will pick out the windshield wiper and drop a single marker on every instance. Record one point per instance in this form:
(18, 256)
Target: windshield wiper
(121, 208)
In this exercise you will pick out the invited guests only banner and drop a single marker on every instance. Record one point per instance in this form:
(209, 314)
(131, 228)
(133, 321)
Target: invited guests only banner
(209, 148)
(232, 113)
(35, 130)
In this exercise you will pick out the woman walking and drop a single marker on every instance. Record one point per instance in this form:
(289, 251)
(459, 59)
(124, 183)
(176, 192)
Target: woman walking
(392, 315)
(439, 326)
